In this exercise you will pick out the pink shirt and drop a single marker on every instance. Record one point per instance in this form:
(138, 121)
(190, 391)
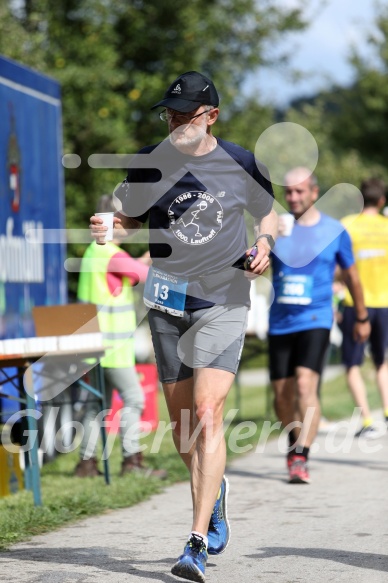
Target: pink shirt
(123, 265)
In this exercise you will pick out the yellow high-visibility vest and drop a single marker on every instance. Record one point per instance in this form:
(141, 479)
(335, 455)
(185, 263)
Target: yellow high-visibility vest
(116, 313)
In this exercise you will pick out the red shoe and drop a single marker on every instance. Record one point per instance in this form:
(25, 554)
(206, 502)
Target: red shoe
(298, 470)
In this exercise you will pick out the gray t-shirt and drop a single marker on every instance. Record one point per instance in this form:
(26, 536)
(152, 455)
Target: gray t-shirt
(195, 207)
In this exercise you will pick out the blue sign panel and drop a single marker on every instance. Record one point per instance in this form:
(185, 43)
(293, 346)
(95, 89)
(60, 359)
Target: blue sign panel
(31, 200)
(31, 197)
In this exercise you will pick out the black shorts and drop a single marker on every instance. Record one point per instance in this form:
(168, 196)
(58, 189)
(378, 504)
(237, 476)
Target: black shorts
(287, 351)
(353, 352)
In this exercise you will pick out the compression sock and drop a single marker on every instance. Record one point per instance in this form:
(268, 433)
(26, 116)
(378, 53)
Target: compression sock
(303, 451)
(291, 442)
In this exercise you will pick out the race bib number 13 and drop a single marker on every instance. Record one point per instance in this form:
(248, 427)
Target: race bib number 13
(166, 292)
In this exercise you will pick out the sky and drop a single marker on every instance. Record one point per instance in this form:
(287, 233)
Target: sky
(321, 51)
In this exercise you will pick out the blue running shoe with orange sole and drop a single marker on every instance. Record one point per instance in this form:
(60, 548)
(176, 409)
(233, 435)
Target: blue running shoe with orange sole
(219, 527)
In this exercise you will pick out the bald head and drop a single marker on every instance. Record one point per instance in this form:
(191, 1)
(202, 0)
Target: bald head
(301, 192)
(299, 175)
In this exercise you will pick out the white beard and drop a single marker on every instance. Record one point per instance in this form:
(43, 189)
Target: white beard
(188, 137)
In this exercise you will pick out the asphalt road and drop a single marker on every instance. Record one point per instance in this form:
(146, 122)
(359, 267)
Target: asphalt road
(333, 530)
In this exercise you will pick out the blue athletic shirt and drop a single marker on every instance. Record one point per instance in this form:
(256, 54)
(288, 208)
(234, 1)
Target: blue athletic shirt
(303, 267)
(195, 206)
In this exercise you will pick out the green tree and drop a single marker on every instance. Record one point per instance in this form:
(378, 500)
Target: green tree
(349, 123)
(363, 109)
(114, 58)
(335, 165)
(224, 39)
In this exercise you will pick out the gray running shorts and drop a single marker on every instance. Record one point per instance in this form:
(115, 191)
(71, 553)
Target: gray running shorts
(206, 338)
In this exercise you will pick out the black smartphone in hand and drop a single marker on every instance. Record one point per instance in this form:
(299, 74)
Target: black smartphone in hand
(250, 258)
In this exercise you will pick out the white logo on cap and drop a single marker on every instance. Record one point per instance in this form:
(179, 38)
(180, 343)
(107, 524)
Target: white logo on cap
(177, 89)
(205, 88)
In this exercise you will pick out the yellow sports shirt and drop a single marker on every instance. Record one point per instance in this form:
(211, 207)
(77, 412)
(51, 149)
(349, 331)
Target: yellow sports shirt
(369, 234)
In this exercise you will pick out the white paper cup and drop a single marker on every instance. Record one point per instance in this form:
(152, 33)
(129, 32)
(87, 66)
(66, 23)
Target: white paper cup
(108, 222)
(286, 223)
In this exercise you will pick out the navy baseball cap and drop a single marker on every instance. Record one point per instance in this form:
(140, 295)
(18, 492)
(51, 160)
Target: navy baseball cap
(189, 91)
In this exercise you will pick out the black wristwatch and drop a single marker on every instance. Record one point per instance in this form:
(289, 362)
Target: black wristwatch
(362, 320)
(270, 239)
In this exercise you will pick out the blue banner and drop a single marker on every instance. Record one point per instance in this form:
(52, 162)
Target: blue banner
(31, 199)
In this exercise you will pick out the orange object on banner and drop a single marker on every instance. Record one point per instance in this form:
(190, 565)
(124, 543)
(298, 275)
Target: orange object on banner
(148, 377)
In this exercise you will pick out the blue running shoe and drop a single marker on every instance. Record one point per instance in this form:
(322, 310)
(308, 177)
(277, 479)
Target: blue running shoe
(219, 529)
(191, 565)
